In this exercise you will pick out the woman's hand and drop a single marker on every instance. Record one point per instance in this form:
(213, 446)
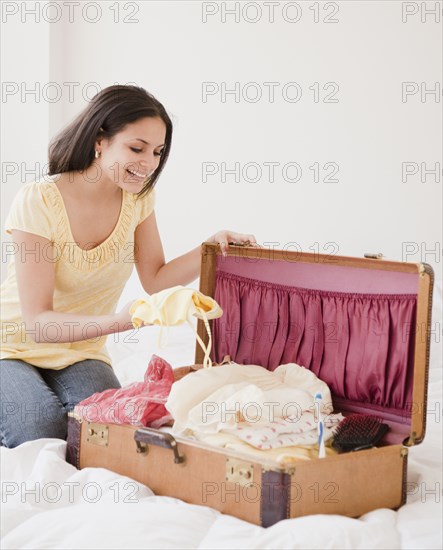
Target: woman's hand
(224, 237)
(123, 317)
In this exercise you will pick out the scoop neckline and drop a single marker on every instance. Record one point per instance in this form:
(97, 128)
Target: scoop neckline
(68, 224)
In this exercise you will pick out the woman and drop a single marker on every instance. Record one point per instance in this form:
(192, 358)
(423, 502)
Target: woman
(76, 236)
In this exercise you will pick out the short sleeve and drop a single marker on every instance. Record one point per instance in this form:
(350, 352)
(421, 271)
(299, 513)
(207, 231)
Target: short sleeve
(146, 205)
(30, 212)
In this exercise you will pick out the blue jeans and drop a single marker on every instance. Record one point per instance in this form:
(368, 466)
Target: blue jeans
(35, 401)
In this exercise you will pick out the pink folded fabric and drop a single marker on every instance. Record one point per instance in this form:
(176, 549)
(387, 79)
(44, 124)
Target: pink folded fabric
(139, 404)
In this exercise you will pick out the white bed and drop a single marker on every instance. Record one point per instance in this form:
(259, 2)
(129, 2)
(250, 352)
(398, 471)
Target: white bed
(47, 503)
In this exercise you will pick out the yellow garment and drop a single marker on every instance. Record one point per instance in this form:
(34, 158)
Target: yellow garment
(87, 282)
(174, 306)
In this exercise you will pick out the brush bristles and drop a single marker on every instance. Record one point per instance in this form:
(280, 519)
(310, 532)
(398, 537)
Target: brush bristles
(358, 431)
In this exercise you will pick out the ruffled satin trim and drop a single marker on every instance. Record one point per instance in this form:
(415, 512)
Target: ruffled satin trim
(107, 251)
(361, 345)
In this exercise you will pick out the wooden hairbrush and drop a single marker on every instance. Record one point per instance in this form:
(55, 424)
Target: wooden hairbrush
(357, 432)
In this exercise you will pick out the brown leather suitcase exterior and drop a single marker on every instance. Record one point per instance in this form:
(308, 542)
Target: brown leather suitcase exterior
(262, 491)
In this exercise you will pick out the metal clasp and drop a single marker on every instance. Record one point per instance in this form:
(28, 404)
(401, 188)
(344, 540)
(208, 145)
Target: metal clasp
(98, 434)
(238, 471)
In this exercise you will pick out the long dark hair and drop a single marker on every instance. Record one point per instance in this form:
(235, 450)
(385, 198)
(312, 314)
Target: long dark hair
(106, 115)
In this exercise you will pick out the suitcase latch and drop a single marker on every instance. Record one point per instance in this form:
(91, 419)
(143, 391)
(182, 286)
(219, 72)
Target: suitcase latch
(97, 434)
(238, 471)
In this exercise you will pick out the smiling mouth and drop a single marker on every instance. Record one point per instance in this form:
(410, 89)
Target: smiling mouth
(137, 174)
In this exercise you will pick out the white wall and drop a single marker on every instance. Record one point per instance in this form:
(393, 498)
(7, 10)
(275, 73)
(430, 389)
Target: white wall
(171, 52)
(25, 132)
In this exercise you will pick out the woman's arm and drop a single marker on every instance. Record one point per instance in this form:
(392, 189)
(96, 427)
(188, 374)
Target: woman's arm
(35, 280)
(155, 274)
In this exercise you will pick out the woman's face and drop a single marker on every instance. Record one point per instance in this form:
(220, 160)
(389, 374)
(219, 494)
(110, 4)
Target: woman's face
(133, 154)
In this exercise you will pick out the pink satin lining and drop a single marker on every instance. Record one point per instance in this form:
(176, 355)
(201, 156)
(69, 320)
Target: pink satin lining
(320, 276)
(359, 341)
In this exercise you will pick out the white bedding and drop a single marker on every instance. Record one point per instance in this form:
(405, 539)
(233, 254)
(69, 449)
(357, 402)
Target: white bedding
(95, 508)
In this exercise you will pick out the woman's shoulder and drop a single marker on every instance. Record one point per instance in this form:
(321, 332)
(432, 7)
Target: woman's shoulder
(34, 208)
(36, 189)
(144, 205)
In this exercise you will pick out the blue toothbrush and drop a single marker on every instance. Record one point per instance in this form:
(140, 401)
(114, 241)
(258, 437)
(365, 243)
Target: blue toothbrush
(320, 426)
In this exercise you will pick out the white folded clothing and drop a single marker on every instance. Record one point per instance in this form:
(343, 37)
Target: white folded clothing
(266, 409)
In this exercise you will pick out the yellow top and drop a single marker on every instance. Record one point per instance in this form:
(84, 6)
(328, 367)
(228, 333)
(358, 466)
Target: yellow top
(87, 282)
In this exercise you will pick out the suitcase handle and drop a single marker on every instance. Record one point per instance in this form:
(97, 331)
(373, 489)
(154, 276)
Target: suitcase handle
(149, 436)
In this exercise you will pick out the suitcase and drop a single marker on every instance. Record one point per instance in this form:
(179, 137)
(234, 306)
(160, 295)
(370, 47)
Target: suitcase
(360, 324)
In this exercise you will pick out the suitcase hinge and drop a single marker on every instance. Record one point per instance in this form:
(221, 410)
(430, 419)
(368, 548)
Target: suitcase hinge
(98, 434)
(410, 440)
(239, 472)
(374, 255)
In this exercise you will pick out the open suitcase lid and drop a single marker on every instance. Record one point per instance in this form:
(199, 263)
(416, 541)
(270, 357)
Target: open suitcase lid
(378, 313)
